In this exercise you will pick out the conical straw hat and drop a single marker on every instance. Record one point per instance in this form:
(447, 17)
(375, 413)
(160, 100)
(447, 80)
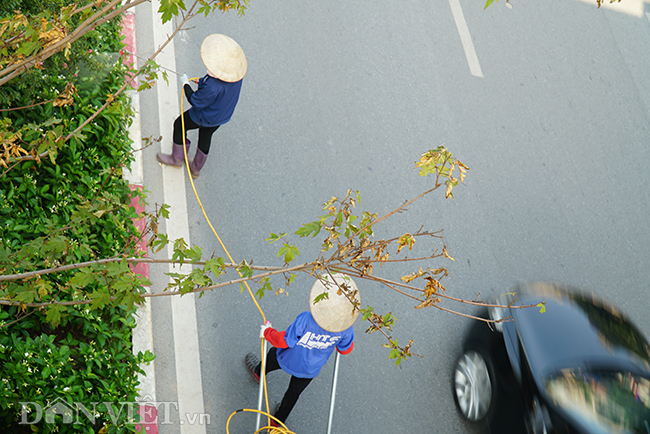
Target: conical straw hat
(334, 313)
(223, 57)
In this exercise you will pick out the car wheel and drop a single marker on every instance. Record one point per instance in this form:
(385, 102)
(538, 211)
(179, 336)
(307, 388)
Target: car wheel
(474, 388)
(538, 420)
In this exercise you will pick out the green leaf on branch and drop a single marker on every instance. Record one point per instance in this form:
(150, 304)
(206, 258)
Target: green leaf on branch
(441, 163)
(289, 251)
(193, 254)
(216, 266)
(179, 251)
(319, 297)
(338, 220)
(164, 211)
(158, 242)
(83, 278)
(329, 205)
(350, 228)
(204, 9)
(265, 285)
(195, 278)
(274, 237)
(489, 2)
(26, 295)
(99, 299)
(309, 229)
(57, 245)
(53, 314)
(366, 221)
(43, 287)
(366, 313)
(451, 183)
(170, 8)
(28, 48)
(244, 269)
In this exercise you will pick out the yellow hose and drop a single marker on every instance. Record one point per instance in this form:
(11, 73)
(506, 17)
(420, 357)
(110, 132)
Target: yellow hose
(272, 430)
(283, 429)
(187, 165)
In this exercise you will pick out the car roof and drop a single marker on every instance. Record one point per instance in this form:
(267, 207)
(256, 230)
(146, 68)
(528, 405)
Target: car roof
(577, 329)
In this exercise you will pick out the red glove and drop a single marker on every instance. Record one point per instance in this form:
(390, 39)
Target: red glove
(275, 338)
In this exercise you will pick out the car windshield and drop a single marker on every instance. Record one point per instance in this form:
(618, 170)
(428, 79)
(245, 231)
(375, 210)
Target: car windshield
(604, 401)
(613, 329)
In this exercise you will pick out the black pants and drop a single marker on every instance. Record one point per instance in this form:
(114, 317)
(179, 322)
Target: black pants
(205, 133)
(296, 386)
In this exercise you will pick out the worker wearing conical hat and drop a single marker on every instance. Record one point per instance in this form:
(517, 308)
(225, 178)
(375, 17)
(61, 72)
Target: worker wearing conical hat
(304, 348)
(213, 103)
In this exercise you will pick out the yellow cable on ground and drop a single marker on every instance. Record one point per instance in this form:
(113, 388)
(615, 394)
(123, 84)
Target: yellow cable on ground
(280, 430)
(187, 165)
(283, 429)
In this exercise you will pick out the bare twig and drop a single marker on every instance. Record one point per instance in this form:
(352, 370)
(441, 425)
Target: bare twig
(27, 106)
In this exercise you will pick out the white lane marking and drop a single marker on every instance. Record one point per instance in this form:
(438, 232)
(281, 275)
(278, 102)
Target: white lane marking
(186, 341)
(466, 39)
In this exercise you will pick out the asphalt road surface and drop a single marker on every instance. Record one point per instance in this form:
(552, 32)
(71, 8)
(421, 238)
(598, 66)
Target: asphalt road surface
(547, 102)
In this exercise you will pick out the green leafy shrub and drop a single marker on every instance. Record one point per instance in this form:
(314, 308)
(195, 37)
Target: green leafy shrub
(69, 207)
(89, 360)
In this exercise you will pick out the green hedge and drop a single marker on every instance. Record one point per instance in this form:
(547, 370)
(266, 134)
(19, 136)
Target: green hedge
(88, 356)
(87, 361)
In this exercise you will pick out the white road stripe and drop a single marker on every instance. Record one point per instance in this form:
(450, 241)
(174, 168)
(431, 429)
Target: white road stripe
(466, 39)
(186, 342)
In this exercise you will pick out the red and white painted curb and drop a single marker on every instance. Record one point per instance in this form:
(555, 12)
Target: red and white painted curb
(143, 332)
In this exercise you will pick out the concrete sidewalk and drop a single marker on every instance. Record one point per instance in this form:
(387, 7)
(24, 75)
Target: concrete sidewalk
(177, 355)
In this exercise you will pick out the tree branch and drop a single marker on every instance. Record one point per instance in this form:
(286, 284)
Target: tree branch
(89, 24)
(382, 218)
(119, 91)
(31, 274)
(275, 271)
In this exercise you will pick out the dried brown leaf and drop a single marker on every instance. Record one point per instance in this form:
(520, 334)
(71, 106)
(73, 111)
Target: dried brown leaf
(411, 277)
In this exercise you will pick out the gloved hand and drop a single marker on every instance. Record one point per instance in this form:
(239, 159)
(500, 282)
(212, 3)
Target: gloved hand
(184, 80)
(263, 328)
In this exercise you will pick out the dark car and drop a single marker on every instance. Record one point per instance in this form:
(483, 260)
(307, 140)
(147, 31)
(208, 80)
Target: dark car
(578, 367)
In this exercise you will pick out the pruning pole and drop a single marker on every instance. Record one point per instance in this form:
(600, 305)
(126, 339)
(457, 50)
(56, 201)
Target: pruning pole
(261, 392)
(333, 397)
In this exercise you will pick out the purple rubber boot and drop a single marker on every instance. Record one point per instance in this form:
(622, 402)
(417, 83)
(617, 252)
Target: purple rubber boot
(197, 164)
(177, 157)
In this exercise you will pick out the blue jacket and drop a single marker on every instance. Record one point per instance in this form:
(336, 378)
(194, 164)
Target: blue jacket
(309, 346)
(213, 103)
